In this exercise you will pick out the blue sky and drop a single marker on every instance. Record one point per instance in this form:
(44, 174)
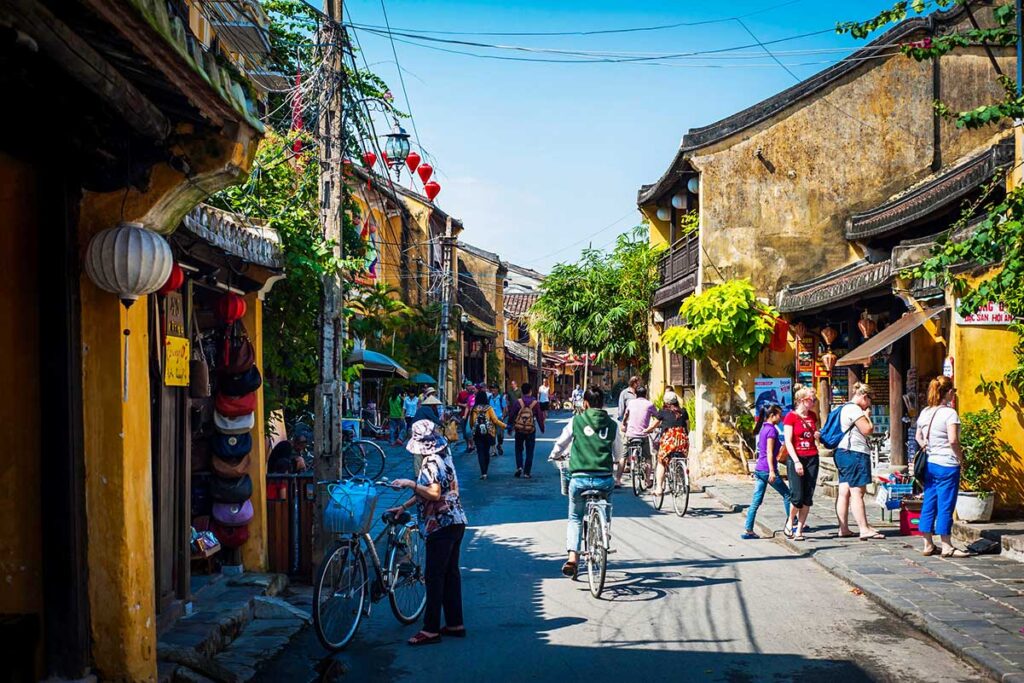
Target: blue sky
(535, 157)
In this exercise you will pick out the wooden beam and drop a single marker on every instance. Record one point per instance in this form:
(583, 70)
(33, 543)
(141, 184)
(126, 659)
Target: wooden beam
(86, 65)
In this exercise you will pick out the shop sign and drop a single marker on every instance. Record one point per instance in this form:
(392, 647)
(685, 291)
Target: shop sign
(176, 357)
(947, 367)
(175, 315)
(773, 390)
(989, 314)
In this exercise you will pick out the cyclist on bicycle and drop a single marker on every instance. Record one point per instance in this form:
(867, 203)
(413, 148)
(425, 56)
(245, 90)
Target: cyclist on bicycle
(593, 445)
(636, 418)
(675, 440)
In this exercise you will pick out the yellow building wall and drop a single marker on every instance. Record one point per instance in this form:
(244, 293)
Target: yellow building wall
(20, 532)
(254, 552)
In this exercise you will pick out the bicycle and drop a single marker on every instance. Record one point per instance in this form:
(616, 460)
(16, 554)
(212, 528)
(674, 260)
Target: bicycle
(596, 538)
(362, 458)
(340, 590)
(677, 481)
(639, 466)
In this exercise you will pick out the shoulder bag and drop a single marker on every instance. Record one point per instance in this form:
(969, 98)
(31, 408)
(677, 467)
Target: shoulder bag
(921, 459)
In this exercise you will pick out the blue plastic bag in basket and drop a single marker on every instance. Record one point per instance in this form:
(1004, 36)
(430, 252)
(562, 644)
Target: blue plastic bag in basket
(350, 507)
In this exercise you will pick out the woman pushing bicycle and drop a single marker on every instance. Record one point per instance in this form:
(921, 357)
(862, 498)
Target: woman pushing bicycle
(593, 445)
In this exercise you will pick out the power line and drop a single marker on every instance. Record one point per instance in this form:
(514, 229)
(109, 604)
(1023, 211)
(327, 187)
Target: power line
(401, 78)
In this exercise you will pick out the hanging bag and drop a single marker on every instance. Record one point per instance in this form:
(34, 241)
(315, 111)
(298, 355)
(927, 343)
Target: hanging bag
(198, 368)
(921, 459)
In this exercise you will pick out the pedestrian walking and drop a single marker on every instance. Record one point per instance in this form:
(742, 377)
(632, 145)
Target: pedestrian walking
(627, 395)
(514, 392)
(484, 421)
(396, 417)
(499, 402)
(635, 422)
(938, 435)
(853, 461)
(675, 437)
(593, 445)
(528, 418)
(544, 397)
(766, 469)
(442, 522)
(801, 442)
(410, 404)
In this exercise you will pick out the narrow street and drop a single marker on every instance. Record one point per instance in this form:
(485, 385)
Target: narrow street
(686, 600)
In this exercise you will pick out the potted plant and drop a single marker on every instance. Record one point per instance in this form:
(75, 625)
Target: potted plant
(982, 450)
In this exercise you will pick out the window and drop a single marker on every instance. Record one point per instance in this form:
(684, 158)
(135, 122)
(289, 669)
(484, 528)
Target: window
(681, 370)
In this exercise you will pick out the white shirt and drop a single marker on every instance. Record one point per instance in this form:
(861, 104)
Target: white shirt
(854, 440)
(542, 393)
(940, 452)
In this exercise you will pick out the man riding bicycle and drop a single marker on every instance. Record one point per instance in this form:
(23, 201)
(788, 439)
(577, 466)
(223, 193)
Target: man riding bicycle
(593, 446)
(636, 417)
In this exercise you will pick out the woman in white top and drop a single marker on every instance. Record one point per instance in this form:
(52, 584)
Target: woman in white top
(938, 433)
(853, 460)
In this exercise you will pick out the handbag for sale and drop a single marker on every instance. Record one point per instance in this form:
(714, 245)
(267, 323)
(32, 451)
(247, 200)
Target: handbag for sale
(239, 354)
(241, 384)
(230, 536)
(234, 405)
(232, 445)
(231, 467)
(233, 514)
(232, 490)
(198, 368)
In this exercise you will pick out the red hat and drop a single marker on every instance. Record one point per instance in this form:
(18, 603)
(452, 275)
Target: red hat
(235, 406)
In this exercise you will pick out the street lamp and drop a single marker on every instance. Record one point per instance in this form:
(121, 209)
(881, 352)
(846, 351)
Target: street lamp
(397, 148)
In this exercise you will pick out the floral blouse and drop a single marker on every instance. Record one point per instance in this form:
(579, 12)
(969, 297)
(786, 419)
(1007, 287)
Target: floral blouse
(435, 515)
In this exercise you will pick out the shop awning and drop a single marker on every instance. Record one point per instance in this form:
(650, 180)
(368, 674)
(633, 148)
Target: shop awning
(863, 354)
(375, 363)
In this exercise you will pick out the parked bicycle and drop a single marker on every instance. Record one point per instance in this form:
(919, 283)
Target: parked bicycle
(344, 589)
(596, 538)
(639, 466)
(362, 457)
(677, 483)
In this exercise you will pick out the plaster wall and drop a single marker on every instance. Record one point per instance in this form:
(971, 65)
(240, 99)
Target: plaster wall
(20, 486)
(254, 552)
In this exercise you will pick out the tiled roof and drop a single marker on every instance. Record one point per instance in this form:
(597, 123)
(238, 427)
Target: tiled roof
(517, 305)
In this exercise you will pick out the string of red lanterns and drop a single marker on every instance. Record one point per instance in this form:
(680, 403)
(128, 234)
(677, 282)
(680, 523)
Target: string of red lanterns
(414, 162)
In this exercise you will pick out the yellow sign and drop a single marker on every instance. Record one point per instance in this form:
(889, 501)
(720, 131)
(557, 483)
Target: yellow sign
(176, 358)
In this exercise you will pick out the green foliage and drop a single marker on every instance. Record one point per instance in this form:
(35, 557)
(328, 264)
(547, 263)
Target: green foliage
(898, 12)
(689, 222)
(725, 323)
(745, 423)
(691, 410)
(602, 302)
(493, 368)
(983, 449)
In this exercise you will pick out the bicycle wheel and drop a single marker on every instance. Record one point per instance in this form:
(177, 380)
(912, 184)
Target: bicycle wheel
(339, 594)
(363, 459)
(408, 594)
(644, 467)
(680, 486)
(597, 551)
(659, 498)
(634, 474)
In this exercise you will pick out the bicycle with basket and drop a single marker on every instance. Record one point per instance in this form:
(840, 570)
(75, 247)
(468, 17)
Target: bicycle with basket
(344, 589)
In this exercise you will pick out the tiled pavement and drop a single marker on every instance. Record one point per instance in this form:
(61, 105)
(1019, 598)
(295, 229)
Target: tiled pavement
(972, 606)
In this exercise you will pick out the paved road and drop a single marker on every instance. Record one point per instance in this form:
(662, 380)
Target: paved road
(686, 600)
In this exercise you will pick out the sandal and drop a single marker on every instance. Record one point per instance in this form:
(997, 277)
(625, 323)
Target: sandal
(422, 638)
(878, 535)
(787, 531)
(930, 551)
(454, 632)
(569, 568)
(957, 552)
(849, 535)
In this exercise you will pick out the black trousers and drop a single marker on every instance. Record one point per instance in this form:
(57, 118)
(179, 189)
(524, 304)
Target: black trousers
(801, 487)
(527, 442)
(444, 582)
(483, 451)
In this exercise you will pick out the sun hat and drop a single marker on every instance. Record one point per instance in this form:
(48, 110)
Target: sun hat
(425, 441)
(670, 397)
(430, 391)
(234, 425)
(233, 514)
(430, 400)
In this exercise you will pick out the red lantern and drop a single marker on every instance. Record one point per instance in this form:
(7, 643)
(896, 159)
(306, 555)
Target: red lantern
(829, 360)
(866, 325)
(384, 158)
(829, 334)
(593, 356)
(231, 307)
(369, 159)
(174, 281)
(432, 189)
(425, 171)
(412, 161)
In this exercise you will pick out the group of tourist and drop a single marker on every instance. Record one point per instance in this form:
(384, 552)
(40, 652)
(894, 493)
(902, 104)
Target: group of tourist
(797, 445)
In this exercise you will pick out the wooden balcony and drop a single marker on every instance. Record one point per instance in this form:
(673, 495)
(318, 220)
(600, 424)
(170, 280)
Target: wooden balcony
(677, 270)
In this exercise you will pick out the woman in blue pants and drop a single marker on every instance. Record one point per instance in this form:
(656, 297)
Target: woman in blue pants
(938, 434)
(766, 471)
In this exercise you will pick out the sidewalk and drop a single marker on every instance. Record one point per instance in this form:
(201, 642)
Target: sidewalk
(973, 606)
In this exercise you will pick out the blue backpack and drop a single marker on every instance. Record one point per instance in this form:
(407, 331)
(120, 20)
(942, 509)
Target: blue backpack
(832, 432)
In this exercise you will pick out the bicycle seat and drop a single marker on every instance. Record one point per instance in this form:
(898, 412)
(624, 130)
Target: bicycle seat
(593, 493)
(637, 440)
(396, 520)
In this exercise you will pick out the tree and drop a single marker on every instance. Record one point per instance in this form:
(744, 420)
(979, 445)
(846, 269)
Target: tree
(998, 241)
(602, 302)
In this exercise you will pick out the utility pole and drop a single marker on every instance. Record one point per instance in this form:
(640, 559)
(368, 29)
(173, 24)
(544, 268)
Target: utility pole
(446, 297)
(330, 127)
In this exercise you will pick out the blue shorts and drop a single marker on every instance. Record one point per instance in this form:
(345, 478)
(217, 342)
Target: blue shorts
(854, 467)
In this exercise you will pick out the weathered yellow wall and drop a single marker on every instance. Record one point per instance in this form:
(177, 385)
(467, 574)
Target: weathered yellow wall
(20, 535)
(254, 552)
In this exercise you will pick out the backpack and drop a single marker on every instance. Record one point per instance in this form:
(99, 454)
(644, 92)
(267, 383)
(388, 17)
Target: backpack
(832, 432)
(524, 419)
(483, 425)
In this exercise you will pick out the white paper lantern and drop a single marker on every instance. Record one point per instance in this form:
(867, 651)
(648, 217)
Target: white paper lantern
(664, 214)
(129, 261)
(678, 201)
(693, 185)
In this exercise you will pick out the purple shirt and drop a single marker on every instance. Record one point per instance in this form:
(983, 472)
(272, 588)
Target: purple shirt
(639, 412)
(768, 431)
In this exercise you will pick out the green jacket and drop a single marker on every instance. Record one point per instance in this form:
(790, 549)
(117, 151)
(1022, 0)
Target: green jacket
(596, 444)
(395, 407)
